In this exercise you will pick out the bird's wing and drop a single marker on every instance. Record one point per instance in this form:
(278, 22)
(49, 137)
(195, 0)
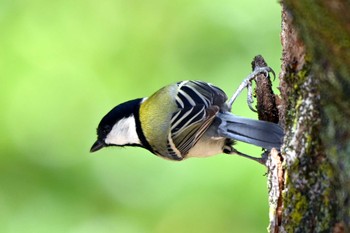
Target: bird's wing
(192, 93)
(189, 124)
(198, 104)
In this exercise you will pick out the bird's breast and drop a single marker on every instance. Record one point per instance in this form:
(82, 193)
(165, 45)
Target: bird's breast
(206, 147)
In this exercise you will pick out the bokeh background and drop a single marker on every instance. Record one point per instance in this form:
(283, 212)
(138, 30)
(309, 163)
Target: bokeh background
(65, 63)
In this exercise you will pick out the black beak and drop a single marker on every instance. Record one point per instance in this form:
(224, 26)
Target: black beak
(97, 146)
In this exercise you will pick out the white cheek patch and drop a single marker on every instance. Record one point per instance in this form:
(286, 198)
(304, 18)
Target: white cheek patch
(124, 132)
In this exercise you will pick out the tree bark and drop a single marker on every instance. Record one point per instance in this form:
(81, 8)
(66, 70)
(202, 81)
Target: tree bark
(309, 184)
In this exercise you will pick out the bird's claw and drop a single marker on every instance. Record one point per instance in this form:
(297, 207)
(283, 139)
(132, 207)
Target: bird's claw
(247, 83)
(250, 99)
(266, 70)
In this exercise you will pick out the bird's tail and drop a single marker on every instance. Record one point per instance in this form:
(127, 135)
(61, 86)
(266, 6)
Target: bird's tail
(260, 133)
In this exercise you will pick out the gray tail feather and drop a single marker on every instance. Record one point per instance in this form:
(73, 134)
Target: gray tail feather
(260, 133)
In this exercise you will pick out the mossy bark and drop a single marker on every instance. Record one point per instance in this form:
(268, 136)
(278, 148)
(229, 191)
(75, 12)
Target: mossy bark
(315, 111)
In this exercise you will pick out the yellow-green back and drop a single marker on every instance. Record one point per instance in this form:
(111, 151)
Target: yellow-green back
(155, 115)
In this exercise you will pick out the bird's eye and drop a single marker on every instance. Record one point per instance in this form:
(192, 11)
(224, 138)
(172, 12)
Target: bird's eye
(106, 129)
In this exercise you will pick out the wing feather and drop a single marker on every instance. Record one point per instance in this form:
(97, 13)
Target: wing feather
(198, 103)
(188, 132)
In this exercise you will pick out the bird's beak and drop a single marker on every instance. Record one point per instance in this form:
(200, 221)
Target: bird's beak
(97, 146)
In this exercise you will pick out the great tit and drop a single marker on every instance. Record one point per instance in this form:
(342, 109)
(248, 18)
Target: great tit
(183, 120)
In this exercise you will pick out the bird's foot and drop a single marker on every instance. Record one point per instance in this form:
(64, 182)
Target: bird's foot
(247, 83)
(261, 160)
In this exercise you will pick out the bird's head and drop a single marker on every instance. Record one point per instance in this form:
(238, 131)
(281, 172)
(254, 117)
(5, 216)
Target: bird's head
(118, 127)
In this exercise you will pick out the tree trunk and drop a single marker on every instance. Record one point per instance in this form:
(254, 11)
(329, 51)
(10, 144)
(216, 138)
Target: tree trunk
(309, 184)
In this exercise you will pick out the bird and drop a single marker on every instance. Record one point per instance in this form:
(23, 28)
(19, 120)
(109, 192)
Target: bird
(183, 120)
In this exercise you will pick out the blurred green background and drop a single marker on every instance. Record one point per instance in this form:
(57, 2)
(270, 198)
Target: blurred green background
(65, 63)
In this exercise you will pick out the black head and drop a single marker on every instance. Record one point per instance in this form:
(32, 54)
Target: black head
(121, 111)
